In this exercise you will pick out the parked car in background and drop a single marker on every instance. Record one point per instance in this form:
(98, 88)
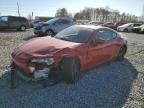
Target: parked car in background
(142, 30)
(52, 26)
(113, 25)
(72, 51)
(35, 23)
(13, 22)
(96, 23)
(127, 27)
(138, 29)
(110, 25)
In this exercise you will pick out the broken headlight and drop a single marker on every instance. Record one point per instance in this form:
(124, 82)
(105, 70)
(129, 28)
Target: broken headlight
(40, 64)
(47, 61)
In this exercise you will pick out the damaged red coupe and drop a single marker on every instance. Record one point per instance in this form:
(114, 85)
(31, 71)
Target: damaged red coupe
(69, 53)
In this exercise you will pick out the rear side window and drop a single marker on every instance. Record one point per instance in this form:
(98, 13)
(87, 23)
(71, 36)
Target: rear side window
(12, 19)
(64, 21)
(21, 19)
(17, 19)
(106, 35)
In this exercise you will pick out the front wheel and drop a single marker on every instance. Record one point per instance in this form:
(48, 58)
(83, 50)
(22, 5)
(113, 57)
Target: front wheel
(126, 30)
(23, 28)
(71, 70)
(50, 33)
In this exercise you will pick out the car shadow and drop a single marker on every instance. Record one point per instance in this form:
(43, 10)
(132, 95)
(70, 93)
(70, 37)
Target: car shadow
(107, 86)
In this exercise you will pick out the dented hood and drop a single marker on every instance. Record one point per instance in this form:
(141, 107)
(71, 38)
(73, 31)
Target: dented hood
(44, 46)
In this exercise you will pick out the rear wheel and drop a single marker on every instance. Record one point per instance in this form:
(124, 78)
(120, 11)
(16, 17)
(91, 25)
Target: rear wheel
(70, 68)
(22, 28)
(122, 53)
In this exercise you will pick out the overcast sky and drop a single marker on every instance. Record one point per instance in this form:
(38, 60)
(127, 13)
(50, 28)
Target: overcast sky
(49, 7)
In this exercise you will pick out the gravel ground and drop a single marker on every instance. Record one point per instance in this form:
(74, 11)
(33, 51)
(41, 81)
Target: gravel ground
(112, 85)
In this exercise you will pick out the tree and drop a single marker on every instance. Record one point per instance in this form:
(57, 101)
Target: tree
(62, 13)
(29, 17)
(103, 15)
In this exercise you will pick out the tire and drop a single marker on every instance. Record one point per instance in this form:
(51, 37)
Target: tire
(122, 53)
(50, 33)
(70, 68)
(23, 28)
(126, 30)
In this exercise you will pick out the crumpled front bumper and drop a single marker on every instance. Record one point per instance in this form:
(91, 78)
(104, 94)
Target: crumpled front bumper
(35, 76)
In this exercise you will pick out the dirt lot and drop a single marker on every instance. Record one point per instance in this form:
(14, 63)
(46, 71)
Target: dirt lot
(113, 85)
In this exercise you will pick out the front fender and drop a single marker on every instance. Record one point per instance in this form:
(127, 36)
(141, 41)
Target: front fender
(70, 53)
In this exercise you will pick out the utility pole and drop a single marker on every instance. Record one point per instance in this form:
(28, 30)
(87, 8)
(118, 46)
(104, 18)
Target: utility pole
(143, 13)
(18, 9)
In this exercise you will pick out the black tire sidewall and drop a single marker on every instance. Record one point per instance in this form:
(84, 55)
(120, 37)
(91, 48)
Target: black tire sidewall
(126, 30)
(50, 31)
(71, 70)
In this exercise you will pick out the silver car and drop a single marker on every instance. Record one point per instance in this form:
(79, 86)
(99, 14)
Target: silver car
(52, 26)
(127, 27)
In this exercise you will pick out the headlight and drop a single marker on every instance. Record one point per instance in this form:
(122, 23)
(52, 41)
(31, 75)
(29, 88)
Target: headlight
(48, 61)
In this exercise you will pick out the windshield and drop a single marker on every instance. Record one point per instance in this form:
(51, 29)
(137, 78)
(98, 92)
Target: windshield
(75, 34)
(52, 20)
(142, 25)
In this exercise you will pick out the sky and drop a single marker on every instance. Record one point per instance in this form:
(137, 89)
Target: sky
(49, 7)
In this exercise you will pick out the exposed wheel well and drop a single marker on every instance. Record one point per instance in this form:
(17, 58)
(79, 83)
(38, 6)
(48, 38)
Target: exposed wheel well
(125, 47)
(76, 58)
(70, 69)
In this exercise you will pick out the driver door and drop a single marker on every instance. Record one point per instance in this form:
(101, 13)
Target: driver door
(102, 48)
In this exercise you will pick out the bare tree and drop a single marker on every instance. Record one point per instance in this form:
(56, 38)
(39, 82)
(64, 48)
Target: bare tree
(29, 17)
(61, 13)
(104, 15)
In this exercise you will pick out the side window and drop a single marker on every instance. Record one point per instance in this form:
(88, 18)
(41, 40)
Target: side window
(130, 25)
(106, 35)
(19, 19)
(12, 19)
(22, 19)
(5, 19)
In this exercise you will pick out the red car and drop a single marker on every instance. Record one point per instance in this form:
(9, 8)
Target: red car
(69, 53)
(110, 25)
(113, 25)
